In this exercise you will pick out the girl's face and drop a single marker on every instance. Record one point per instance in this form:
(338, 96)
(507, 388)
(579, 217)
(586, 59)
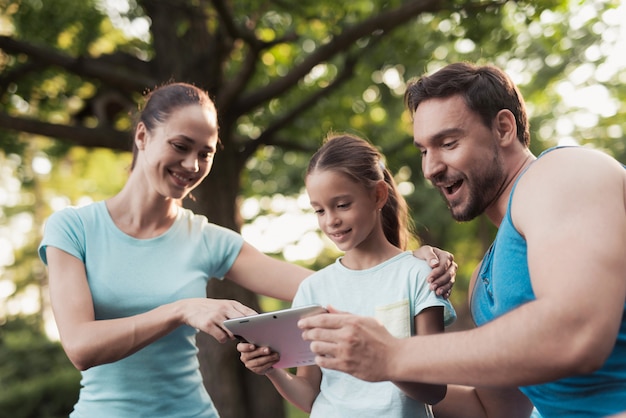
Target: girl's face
(178, 153)
(347, 212)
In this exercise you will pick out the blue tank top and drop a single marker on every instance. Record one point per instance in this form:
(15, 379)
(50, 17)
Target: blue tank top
(503, 283)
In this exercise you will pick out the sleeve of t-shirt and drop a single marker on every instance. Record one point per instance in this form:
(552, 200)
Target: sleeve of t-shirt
(304, 294)
(64, 230)
(225, 245)
(424, 298)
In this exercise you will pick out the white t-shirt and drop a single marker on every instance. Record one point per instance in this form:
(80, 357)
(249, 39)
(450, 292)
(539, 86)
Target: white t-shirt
(394, 292)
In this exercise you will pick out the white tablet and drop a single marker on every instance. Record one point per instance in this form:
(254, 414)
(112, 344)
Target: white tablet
(279, 331)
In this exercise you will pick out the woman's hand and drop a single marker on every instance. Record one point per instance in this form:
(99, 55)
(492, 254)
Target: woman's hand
(208, 315)
(444, 269)
(257, 359)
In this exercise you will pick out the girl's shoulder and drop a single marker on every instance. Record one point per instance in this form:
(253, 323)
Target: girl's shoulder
(408, 260)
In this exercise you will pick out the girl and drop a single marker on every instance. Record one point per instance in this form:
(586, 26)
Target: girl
(128, 275)
(360, 210)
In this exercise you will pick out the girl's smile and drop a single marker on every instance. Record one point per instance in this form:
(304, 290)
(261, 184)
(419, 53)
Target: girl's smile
(346, 211)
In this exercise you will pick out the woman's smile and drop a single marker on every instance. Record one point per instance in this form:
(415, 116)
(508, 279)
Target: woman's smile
(182, 180)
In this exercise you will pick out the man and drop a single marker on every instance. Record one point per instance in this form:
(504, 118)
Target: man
(548, 298)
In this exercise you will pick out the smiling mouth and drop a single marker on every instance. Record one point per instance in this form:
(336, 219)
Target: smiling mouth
(340, 234)
(450, 189)
(184, 181)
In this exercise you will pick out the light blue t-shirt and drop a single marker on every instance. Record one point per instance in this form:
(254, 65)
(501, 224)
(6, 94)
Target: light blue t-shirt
(394, 292)
(129, 276)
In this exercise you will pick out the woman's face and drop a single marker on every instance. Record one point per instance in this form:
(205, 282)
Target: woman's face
(178, 153)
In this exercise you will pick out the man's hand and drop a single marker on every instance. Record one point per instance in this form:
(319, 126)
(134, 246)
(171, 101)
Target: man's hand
(443, 275)
(357, 345)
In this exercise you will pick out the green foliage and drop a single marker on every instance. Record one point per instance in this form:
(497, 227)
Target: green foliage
(543, 44)
(10, 144)
(88, 173)
(74, 23)
(51, 395)
(275, 170)
(36, 378)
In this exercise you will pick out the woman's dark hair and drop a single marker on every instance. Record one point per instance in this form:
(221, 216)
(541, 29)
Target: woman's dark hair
(361, 162)
(161, 102)
(486, 90)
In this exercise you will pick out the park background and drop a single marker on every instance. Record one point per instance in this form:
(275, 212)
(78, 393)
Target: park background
(283, 74)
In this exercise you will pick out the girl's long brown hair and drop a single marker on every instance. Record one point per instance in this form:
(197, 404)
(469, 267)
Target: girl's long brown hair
(361, 161)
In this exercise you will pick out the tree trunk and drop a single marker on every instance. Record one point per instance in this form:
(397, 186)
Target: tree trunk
(236, 391)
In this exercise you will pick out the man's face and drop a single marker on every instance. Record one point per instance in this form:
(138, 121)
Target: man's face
(460, 155)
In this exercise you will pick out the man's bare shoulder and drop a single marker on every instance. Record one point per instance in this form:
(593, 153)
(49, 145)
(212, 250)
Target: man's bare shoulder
(579, 167)
(566, 179)
(585, 157)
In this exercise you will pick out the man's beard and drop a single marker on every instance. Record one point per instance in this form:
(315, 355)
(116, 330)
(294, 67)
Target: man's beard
(483, 186)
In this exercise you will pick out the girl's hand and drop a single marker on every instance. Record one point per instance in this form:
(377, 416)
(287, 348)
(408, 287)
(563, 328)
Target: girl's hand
(208, 315)
(444, 269)
(259, 360)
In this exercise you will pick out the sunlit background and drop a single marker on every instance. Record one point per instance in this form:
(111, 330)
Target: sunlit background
(292, 229)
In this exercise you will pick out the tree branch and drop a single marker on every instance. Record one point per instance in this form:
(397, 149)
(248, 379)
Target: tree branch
(385, 21)
(228, 20)
(96, 68)
(231, 90)
(289, 144)
(238, 84)
(13, 75)
(79, 135)
(267, 137)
